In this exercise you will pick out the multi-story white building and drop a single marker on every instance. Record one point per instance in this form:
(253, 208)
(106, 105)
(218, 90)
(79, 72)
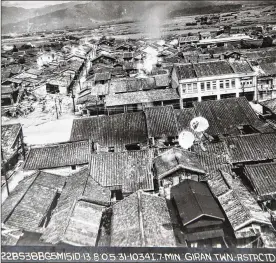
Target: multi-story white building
(214, 80)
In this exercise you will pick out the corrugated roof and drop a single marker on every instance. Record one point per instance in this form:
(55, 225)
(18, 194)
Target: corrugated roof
(114, 130)
(224, 116)
(194, 200)
(257, 147)
(175, 159)
(58, 155)
(130, 171)
(161, 122)
(139, 97)
(142, 220)
(263, 179)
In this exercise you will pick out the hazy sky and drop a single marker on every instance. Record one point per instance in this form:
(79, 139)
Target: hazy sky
(31, 4)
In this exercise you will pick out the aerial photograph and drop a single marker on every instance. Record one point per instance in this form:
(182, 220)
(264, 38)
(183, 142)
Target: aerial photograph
(138, 124)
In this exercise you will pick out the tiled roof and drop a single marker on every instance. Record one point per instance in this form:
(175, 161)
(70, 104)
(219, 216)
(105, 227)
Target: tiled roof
(96, 193)
(241, 66)
(239, 205)
(189, 39)
(130, 85)
(32, 209)
(237, 213)
(185, 71)
(130, 171)
(184, 117)
(161, 122)
(194, 200)
(142, 220)
(162, 80)
(212, 68)
(213, 157)
(72, 191)
(174, 159)
(270, 104)
(58, 155)
(114, 130)
(263, 179)
(16, 196)
(9, 135)
(224, 116)
(128, 54)
(84, 224)
(139, 97)
(102, 76)
(257, 147)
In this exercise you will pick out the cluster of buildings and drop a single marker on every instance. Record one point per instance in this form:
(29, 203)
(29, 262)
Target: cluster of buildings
(122, 179)
(58, 70)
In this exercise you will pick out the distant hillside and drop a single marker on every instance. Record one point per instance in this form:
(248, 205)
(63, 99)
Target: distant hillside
(209, 10)
(83, 13)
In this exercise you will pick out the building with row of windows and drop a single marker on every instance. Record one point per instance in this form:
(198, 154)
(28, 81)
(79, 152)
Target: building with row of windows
(214, 80)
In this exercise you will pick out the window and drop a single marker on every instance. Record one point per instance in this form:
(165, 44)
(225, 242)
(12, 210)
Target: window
(117, 195)
(202, 86)
(133, 147)
(184, 87)
(195, 87)
(111, 149)
(227, 84)
(208, 85)
(189, 88)
(233, 83)
(221, 84)
(214, 84)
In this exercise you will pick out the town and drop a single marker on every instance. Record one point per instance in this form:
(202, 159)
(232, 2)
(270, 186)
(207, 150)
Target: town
(166, 140)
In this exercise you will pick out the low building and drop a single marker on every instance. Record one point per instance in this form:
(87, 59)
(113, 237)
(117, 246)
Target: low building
(251, 225)
(174, 166)
(199, 214)
(123, 173)
(30, 205)
(253, 148)
(214, 80)
(266, 78)
(141, 220)
(58, 158)
(112, 133)
(137, 101)
(262, 179)
(78, 207)
(187, 40)
(230, 117)
(12, 143)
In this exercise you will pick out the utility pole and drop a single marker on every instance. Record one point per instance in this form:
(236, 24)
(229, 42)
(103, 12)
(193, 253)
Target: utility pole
(56, 107)
(4, 171)
(73, 98)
